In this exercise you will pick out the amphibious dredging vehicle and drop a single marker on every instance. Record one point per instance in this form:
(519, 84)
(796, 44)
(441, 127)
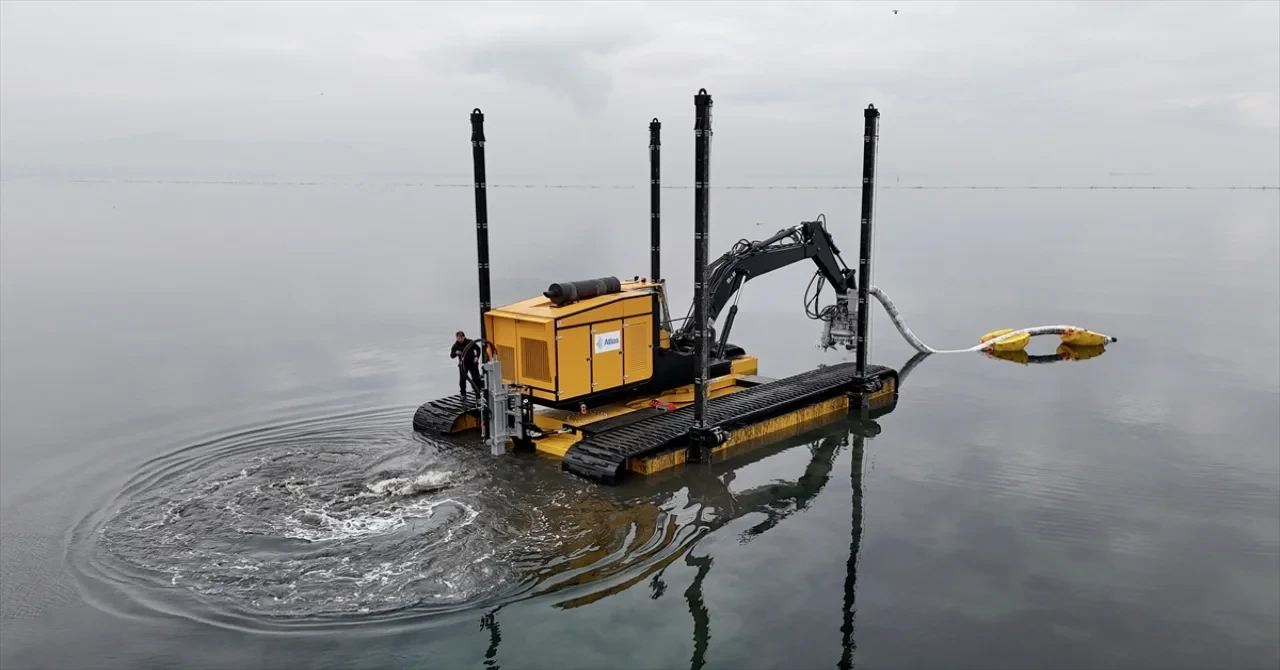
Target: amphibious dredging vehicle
(598, 374)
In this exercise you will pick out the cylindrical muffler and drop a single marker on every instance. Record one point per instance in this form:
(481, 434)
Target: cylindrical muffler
(563, 293)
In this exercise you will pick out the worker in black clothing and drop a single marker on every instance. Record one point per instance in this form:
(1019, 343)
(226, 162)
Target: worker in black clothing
(468, 363)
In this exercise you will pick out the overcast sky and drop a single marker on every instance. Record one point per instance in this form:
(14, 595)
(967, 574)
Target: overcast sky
(1179, 90)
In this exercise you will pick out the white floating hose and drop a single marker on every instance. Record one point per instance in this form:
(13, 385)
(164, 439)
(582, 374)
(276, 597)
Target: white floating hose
(1000, 340)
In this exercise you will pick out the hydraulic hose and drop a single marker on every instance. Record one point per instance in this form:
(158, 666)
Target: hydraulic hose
(1010, 339)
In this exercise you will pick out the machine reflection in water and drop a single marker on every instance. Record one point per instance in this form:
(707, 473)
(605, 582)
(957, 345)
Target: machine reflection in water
(708, 485)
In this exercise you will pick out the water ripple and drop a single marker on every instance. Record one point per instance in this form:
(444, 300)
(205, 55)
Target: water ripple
(354, 518)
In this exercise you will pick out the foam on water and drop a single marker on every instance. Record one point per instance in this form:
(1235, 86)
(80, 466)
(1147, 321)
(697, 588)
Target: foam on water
(354, 517)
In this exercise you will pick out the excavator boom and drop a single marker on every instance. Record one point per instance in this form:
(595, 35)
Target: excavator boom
(748, 260)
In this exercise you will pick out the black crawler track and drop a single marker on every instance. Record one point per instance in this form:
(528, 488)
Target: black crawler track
(438, 417)
(600, 457)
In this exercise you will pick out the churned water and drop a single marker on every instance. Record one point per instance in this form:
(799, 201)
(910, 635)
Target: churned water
(208, 459)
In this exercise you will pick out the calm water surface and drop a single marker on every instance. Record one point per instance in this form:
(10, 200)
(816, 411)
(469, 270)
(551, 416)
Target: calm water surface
(208, 460)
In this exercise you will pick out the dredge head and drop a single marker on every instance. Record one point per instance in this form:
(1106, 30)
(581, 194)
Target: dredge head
(839, 325)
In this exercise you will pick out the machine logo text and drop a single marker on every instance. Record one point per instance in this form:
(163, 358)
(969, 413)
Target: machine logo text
(610, 341)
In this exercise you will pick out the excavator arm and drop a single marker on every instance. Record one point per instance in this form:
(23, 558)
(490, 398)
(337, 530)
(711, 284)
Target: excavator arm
(748, 260)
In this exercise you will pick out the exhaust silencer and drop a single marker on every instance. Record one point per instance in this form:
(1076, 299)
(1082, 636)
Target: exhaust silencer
(563, 293)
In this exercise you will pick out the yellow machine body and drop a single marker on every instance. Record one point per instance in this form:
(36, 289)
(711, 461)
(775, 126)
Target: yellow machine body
(561, 353)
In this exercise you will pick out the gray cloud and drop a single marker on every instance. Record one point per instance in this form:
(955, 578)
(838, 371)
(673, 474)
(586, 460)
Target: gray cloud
(570, 63)
(984, 91)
